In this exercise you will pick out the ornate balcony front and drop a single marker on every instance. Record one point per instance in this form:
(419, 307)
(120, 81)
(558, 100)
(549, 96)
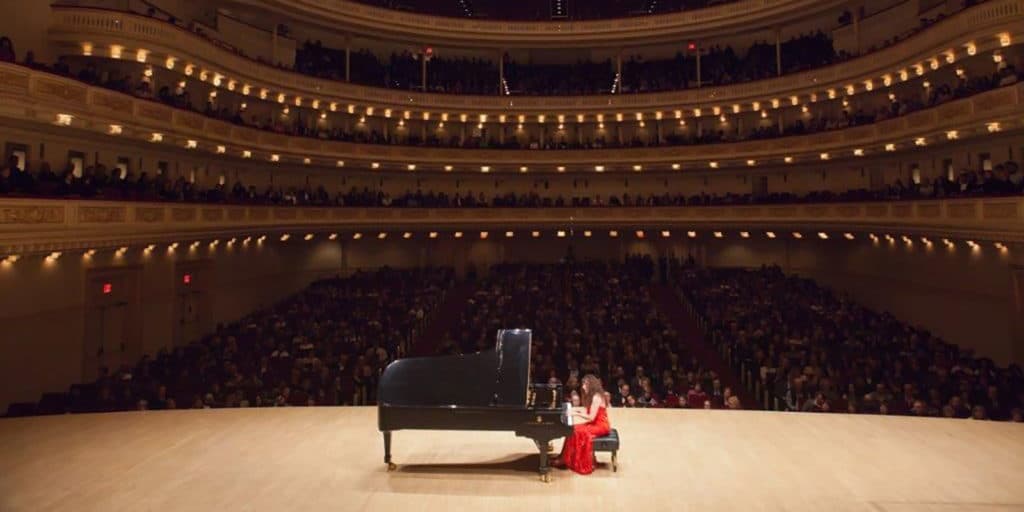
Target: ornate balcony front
(975, 30)
(43, 98)
(34, 226)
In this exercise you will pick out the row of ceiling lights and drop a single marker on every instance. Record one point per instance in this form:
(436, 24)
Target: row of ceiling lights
(948, 56)
(561, 233)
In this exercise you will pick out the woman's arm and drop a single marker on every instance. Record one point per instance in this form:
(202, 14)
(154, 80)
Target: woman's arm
(588, 417)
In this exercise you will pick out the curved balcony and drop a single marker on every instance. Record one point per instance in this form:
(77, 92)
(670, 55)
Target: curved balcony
(43, 98)
(981, 28)
(360, 18)
(39, 226)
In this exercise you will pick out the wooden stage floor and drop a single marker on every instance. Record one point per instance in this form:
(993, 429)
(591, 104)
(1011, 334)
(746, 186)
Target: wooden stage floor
(313, 459)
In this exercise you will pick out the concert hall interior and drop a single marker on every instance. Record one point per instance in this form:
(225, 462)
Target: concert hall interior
(545, 254)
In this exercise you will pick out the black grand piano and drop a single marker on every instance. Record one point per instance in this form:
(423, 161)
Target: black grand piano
(484, 391)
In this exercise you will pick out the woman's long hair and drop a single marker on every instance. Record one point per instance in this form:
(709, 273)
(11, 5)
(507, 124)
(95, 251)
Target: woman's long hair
(594, 387)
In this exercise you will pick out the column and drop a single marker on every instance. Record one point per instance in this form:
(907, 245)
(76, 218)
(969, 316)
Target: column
(856, 27)
(348, 62)
(501, 75)
(423, 71)
(698, 66)
(273, 46)
(778, 50)
(618, 70)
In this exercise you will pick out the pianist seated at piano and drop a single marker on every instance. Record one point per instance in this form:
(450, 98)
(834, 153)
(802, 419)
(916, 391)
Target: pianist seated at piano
(588, 422)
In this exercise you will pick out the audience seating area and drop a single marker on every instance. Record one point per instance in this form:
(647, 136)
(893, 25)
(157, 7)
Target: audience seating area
(591, 317)
(805, 348)
(100, 182)
(324, 346)
(798, 346)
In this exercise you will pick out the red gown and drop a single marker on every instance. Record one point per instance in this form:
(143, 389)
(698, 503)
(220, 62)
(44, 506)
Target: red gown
(577, 450)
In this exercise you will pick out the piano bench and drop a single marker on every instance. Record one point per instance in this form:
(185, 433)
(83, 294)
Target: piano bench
(609, 443)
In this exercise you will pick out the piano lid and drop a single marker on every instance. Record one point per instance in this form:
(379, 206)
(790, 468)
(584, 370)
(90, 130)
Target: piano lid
(496, 377)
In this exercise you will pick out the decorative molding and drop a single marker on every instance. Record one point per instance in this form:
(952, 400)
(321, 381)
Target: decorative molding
(962, 210)
(213, 214)
(29, 215)
(43, 223)
(147, 214)
(102, 214)
(1000, 210)
(183, 214)
(929, 211)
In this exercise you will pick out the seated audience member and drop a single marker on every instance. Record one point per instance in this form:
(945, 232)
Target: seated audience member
(7, 50)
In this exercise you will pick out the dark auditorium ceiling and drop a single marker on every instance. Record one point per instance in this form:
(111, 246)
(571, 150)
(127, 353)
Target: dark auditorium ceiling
(542, 10)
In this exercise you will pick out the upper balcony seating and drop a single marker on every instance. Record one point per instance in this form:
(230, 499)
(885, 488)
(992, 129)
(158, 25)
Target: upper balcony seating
(451, 74)
(540, 10)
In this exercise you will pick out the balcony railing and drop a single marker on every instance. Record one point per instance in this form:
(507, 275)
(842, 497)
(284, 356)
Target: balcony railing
(95, 109)
(30, 226)
(982, 26)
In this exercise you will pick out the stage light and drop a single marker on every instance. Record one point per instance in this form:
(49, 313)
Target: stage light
(613, 234)
(770, 234)
(666, 234)
(535, 234)
(823, 235)
(509, 234)
(285, 237)
(458, 234)
(308, 237)
(432, 235)
(639, 233)
(718, 234)
(407, 235)
(357, 236)
(382, 235)
(798, 235)
(848, 236)
(744, 234)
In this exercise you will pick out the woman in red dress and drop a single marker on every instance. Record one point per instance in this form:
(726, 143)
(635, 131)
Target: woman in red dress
(588, 423)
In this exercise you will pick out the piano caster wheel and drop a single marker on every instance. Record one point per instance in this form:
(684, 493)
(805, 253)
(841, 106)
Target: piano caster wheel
(550, 448)
(392, 466)
(546, 478)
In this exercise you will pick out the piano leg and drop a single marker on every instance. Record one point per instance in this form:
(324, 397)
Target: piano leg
(387, 451)
(542, 447)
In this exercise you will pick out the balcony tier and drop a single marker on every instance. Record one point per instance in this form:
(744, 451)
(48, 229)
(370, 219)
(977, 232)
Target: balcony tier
(31, 226)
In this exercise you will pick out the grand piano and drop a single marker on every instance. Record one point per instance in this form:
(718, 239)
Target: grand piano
(484, 391)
